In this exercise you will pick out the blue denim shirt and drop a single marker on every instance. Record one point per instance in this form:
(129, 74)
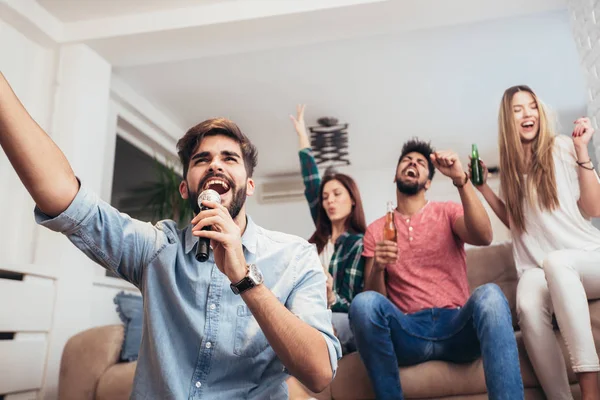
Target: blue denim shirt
(200, 341)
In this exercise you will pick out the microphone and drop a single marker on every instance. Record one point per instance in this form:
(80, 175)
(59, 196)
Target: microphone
(203, 248)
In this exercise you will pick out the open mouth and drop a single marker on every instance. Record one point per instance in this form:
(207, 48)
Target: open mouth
(411, 172)
(217, 184)
(528, 124)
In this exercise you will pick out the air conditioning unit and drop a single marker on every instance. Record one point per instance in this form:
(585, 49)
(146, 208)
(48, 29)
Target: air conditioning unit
(282, 190)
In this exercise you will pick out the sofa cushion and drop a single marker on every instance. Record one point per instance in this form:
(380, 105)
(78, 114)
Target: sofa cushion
(595, 319)
(131, 312)
(117, 382)
(494, 264)
(427, 380)
(438, 379)
(85, 358)
(298, 391)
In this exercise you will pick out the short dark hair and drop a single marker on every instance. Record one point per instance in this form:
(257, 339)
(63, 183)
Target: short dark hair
(187, 145)
(415, 145)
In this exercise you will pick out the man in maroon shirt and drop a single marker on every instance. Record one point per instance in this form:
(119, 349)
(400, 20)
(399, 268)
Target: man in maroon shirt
(416, 305)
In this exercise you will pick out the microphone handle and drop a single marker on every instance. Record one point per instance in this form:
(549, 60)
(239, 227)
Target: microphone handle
(203, 247)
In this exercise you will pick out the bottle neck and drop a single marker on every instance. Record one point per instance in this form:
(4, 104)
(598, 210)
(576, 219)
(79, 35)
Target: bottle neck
(390, 208)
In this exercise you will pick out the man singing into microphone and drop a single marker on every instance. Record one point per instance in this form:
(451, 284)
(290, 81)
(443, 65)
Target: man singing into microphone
(231, 327)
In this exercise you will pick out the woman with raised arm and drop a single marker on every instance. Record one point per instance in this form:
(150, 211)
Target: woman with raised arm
(549, 190)
(337, 211)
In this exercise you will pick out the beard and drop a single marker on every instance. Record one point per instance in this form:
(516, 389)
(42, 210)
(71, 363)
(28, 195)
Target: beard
(237, 201)
(409, 189)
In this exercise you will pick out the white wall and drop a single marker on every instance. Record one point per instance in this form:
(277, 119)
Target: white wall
(376, 189)
(30, 69)
(67, 91)
(585, 21)
(443, 84)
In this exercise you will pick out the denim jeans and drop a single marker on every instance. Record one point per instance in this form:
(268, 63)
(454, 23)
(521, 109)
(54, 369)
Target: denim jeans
(387, 338)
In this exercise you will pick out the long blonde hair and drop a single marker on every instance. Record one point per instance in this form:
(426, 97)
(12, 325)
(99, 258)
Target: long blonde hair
(539, 186)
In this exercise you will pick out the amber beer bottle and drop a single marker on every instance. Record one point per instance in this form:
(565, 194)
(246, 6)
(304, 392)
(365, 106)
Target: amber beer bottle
(389, 229)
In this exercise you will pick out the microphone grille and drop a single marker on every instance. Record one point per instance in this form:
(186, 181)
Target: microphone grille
(209, 195)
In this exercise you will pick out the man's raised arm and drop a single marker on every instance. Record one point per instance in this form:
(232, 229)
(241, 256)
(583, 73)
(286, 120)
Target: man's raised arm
(40, 164)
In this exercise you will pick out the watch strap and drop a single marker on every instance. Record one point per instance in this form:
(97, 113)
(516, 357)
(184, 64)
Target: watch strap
(243, 285)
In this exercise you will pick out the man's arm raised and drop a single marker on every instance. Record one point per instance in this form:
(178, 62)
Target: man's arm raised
(475, 226)
(40, 164)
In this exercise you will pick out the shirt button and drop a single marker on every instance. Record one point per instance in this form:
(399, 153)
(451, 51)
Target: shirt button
(410, 228)
(198, 384)
(212, 306)
(410, 238)
(408, 220)
(208, 345)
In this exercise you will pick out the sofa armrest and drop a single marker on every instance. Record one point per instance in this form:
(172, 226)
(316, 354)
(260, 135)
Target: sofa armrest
(85, 358)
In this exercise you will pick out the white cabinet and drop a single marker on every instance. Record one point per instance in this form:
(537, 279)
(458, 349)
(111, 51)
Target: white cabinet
(27, 295)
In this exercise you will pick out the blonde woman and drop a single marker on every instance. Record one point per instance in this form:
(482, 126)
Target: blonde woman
(549, 191)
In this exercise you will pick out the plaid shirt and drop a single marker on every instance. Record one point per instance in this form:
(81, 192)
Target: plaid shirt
(346, 266)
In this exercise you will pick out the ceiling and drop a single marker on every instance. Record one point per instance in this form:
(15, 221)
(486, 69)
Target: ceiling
(85, 10)
(392, 69)
(441, 84)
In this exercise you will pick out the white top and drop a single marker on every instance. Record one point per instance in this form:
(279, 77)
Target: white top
(326, 254)
(564, 228)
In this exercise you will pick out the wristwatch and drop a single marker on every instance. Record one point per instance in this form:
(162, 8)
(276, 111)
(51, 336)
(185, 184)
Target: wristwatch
(253, 278)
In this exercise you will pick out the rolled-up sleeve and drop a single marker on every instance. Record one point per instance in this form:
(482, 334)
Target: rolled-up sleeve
(114, 240)
(308, 300)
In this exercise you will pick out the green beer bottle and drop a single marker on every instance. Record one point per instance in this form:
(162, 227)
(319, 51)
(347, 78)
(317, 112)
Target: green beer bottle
(476, 168)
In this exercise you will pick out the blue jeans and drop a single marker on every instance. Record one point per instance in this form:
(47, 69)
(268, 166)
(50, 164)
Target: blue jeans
(386, 338)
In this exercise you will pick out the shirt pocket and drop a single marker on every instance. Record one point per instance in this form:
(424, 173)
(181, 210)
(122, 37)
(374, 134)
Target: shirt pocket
(249, 339)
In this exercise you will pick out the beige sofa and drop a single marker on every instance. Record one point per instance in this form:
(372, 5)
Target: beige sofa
(89, 368)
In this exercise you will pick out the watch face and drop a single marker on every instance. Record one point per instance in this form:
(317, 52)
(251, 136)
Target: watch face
(255, 275)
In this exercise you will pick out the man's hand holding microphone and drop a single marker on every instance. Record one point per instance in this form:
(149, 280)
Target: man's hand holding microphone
(213, 225)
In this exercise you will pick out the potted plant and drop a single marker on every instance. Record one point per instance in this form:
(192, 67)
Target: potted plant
(162, 196)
